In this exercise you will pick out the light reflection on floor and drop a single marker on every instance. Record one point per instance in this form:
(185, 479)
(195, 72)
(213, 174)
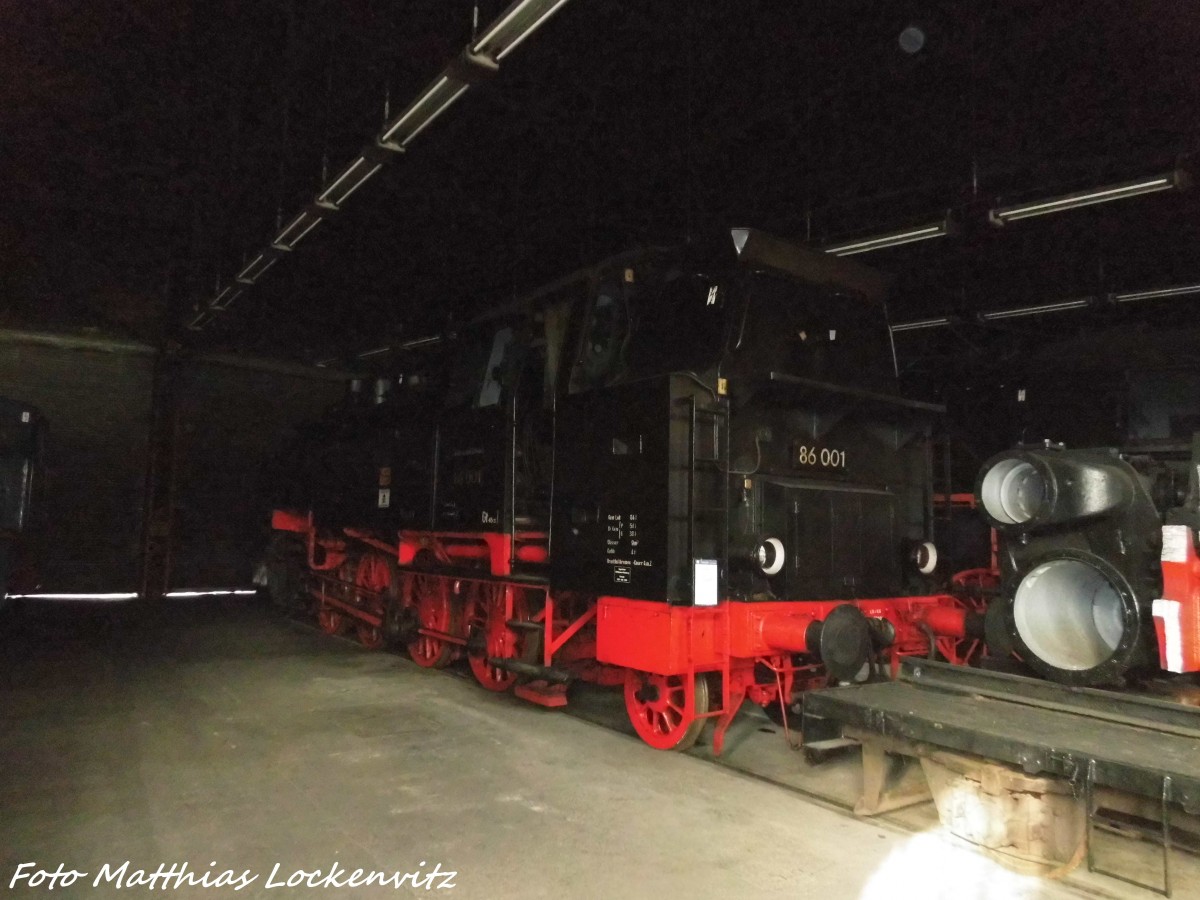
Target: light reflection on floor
(932, 867)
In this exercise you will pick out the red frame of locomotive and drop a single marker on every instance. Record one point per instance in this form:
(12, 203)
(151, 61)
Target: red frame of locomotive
(462, 600)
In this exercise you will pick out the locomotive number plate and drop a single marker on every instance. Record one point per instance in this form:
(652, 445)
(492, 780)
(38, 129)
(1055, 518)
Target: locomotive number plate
(806, 456)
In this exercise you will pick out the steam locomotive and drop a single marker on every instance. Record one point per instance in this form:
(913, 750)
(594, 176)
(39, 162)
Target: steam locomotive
(683, 471)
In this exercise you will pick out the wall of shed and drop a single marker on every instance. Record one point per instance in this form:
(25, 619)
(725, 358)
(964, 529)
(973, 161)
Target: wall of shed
(232, 417)
(87, 515)
(232, 422)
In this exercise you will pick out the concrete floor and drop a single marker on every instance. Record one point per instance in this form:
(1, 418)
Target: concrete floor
(228, 739)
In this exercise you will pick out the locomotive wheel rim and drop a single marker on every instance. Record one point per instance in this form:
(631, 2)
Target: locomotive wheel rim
(375, 575)
(500, 640)
(330, 620)
(663, 720)
(370, 636)
(435, 611)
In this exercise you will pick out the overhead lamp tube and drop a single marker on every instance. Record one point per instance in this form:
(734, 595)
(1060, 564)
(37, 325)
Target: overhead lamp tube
(1019, 312)
(352, 178)
(1180, 291)
(1151, 185)
(440, 95)
(295, 231)
(518, 22)
(225, 299)
(920, 324)
(378, 351)
(257, 266)
(420, 342)
(890, 239)
(201, 320)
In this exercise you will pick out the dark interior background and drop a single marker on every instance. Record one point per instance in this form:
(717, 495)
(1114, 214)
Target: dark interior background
(151, 145)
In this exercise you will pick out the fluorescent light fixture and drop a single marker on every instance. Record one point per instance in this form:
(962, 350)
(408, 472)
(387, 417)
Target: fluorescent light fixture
(202, 319)
(420, 114)
(518, 22)
(295, 231)
(104, 598)
(378, 351)
(1150, 185)
(352, 178)
(225, 299)
(1180, 291)
(920, 324)
(420, 342)
(225, 592)
(256, 267)
(1062, 306)
(477, 62)
(890, 239)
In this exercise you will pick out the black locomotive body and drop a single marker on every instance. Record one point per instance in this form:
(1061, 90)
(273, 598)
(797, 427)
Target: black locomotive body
(670, 470)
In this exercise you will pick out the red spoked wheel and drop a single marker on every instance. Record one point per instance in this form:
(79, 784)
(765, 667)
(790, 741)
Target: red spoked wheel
(376, 579)
(375, 576)
(436, 612)
(331, 621)
(659, 709)
(370, 636)
(489, 630)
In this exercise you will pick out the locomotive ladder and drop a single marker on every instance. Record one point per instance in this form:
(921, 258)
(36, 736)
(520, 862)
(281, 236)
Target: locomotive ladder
(1130, 744)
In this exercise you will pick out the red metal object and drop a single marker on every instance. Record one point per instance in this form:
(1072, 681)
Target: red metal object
(670, 640)
(667, 711)
(680, 666)
(290, 520)
(437, 619)
(497, 551)
(370, 636)
(551, 696)
(1177, 612)
(948, 621)
(331, 621)
(345, 609)
(492, 607)
(679, 644)
(373, 576)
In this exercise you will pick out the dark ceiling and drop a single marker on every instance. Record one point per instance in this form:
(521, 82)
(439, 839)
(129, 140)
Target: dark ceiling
(151, 144)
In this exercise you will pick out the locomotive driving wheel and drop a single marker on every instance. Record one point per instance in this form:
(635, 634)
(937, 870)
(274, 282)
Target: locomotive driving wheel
(331, 621)
(659, 710)
(375, 576)
(493, 639)
(436, 612)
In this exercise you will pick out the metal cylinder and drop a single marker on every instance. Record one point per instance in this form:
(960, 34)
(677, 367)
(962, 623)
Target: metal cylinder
(1012, 491)
(1070, 614)
(1032, 489)
(787, 633)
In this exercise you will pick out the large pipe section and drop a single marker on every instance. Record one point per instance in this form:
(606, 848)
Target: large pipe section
(1078, 541)
(1036, 489)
